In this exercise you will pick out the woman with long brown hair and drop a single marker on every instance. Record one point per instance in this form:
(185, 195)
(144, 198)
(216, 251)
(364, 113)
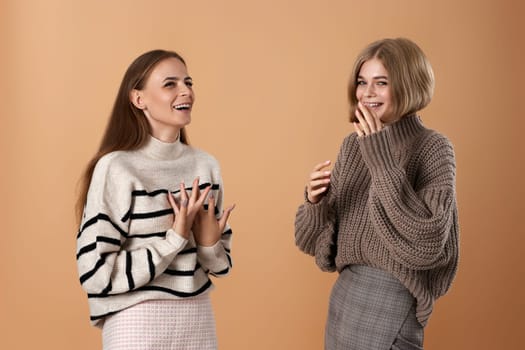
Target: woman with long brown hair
(385, 217)
(146, 246)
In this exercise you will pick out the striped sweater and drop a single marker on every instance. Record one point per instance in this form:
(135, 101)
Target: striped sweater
(391, 205)
(127, 251)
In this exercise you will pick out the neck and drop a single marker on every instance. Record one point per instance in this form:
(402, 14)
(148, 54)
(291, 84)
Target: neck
(166, 135)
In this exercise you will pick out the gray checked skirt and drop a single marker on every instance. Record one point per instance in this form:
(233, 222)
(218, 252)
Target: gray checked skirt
(371, 310)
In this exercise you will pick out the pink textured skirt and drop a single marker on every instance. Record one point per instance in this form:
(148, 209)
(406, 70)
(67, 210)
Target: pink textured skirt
(162, 325)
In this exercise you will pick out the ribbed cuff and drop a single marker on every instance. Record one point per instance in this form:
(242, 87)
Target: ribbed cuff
(212, 257)
(376, 151)
(175, 239)
(316, 213)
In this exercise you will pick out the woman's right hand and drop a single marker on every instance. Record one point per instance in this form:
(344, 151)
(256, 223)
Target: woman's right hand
(318, 182)
(187, 209)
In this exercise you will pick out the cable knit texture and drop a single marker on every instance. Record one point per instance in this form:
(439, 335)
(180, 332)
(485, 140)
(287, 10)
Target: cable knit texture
(391, 205)
(127, 251)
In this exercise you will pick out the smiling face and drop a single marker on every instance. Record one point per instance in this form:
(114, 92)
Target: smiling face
(374, 90)
(166, 99)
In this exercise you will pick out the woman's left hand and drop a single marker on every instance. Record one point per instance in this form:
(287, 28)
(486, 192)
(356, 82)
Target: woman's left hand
(207, 229)
(369, 122)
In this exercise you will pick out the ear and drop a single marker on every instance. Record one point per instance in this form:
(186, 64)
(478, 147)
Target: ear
(135, 96)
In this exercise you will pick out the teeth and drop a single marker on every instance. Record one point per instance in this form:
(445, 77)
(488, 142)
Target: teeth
(182, 106)
(373, 104)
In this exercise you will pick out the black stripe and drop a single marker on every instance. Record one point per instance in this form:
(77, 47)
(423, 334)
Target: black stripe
(201, 187)
(223, 272)
(103, 217)
(131, 283)
(206, 184)
(98, 317)
(151, 265)
(108, 288)
(152, 214)
(126, 216)
(86, 249)
(148, 235)
(87, 224)
(229, 259)
(162, 289)
(93, 246)
(177, 293)
(108, 240)
(138, 193)
(227, 232)
(88, 274)
(182, 272)
(188, 251)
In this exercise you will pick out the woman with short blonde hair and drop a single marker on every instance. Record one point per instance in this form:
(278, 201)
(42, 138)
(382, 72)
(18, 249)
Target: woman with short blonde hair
(385, 217)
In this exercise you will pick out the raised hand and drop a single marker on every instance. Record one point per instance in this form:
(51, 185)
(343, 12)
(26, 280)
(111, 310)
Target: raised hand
(207, 229)
(369, 122)
(189, 207)
(318, 182)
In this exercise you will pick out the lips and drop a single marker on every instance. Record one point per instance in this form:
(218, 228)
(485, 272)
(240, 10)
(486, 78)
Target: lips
(372, 104)
(182, 106)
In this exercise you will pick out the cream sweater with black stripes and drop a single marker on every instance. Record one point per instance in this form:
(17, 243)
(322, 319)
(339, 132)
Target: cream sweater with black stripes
(127, 251)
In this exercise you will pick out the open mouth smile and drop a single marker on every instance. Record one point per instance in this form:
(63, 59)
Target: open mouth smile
(372, 104)
(182, 107)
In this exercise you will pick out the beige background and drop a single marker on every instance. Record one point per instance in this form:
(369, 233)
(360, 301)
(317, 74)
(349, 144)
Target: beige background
(271, 83)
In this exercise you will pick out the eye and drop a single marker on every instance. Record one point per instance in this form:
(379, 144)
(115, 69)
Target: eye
(361, 82)
(189, 83)
(169, 84)
(382, 83)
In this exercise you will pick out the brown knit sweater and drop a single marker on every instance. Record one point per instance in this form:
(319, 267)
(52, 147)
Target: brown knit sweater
(391, 205)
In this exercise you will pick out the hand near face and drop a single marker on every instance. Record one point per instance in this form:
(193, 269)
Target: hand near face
(369, 122)
(189, 207)
(207, 229)
(318, 182)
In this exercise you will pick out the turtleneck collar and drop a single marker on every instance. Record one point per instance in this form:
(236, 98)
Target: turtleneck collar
(405, 128)
(160, 150)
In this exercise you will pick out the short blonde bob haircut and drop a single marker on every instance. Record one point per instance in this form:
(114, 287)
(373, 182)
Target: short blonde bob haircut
(410, 75)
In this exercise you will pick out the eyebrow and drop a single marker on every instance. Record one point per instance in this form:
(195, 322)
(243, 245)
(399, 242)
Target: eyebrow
(177, 78)
(377, 77)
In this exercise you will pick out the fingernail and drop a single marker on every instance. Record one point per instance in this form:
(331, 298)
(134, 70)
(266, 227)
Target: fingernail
(184, 203)
(211, 197)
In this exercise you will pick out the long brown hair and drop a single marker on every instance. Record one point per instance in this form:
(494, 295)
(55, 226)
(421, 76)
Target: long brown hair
(127, 128)
(410, 75)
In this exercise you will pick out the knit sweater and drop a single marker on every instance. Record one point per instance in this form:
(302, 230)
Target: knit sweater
(127, 251)
(391, 205)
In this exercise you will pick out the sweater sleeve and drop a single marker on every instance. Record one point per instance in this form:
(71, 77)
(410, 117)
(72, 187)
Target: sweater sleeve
(104, 264)
(316, 224)
(217, 258)
(414, 223)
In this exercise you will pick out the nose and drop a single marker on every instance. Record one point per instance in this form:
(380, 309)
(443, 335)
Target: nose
(370, 90)
(184, 90)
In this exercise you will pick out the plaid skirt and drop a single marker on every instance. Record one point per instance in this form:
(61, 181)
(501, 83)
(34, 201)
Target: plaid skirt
(371, 310)
(162, 325)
